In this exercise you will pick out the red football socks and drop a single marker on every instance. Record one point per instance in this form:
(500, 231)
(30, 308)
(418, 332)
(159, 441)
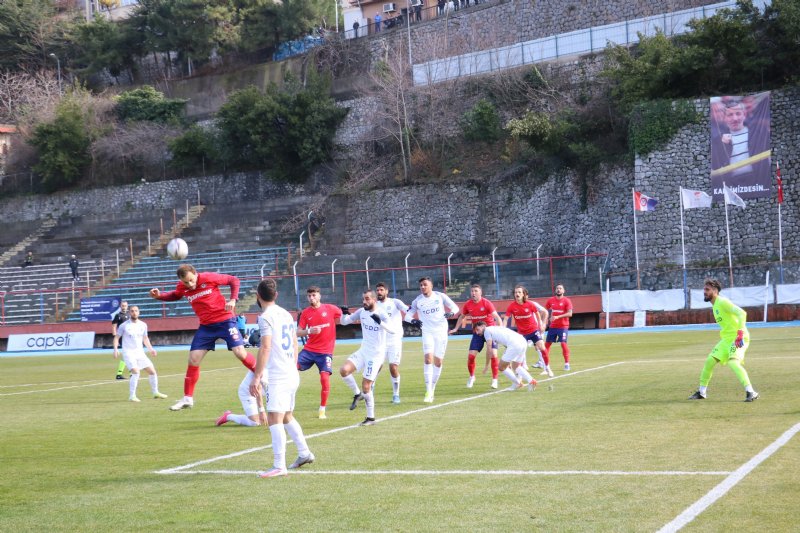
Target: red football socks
(250, 362)
(192, 375)
(471, 364)
(495, 367)
(325, 381)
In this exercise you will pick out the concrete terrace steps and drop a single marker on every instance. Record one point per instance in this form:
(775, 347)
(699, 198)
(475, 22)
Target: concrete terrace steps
(27, 241)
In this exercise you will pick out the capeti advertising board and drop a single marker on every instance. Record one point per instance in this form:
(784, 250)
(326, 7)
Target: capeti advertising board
(80, 340)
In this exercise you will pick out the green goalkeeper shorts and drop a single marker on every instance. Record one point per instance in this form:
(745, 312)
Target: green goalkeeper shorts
(725, 350)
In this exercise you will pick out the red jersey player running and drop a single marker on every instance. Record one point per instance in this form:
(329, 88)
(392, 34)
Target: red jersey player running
(479, 309)
(530, 319)
(217, 321)
(318, 323)
(560, 308)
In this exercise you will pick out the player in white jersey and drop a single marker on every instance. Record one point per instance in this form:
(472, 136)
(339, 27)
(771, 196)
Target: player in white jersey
(368, 359)
(395, 309)
(251, 404)
(432, 309)
(277, 355)
(514, 355)
(133, 333)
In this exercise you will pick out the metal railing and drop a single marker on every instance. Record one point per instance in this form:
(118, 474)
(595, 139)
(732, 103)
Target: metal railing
(567, 44)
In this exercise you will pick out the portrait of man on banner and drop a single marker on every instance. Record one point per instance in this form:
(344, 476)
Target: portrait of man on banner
(740, 145)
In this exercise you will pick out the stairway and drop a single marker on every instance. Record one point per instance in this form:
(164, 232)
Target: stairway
(160, 244)
(27, 241)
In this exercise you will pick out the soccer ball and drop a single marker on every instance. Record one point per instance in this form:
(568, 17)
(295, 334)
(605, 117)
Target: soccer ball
(177, 249)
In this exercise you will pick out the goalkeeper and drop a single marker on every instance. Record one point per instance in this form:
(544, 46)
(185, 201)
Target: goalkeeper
(734, 340)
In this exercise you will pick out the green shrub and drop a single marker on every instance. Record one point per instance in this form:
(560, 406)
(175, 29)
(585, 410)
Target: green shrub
(481, 123)
(63, 146)
(653, 124)
(146, 103)
(197, 148)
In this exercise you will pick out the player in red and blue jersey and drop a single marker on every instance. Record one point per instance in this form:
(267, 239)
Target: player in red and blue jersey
(318, 323)
(560, 308)
(530, 319)
(479, 309)
(217, 321)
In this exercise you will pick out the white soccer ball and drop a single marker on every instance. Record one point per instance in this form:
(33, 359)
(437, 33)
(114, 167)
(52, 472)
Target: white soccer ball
(177, 249)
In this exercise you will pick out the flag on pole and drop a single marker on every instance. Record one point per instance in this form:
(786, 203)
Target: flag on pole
(695, 199)
(780, 183)
(731, 198)
(643, 203)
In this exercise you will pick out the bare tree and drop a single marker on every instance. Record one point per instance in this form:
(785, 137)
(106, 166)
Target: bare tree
(27, 96)
(136, 149)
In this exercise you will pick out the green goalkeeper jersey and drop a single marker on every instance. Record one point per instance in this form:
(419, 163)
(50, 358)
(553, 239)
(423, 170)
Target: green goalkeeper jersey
(730, 317)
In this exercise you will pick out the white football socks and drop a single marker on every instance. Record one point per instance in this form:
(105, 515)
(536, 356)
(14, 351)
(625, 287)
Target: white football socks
(242, 420)
(369, 399)
(134, 382)
(153, 379)
(510, 375)
(296, 434)
(350, 381)
(396, 385)
(278, 446)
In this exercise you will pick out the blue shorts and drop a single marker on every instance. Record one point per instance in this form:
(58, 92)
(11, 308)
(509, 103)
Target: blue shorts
(557, 335)
(534, 337)
(477, 343)
(207, 335)
(323, 361)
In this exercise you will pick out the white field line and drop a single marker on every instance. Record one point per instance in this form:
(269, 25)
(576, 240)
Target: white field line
(182, 469)
(466, 473)
(702, 358)
(109, 382)
(728, 483)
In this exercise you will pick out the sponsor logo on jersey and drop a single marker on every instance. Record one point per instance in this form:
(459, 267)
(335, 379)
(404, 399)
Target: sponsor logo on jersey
(200, 294)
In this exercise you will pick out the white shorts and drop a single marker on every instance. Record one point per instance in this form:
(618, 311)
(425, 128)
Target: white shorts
(280, 396)
(434, 342)
(394, 352)
(136, 359)
(515, 353)
(249, 403)
(367, 363)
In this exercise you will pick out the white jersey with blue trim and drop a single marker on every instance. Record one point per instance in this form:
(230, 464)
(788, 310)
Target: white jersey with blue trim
(373, 335)
(431, 310)
(277, 323)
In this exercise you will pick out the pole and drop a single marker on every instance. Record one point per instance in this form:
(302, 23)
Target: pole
(118, 271)
(262, 270)
(537, 261)
(130, 248)
(408, 283)
(766, 297)
(187, 212)
(683, 252)
(333, 278)
(636, 241)
(585, 261)
(366, 268)
(449, 273)
(198, 190)
(148, 242)
(608, 303)
(301, 242)
(408, 30)
(728, 233)
(162, 225)
(336, 10)
(296, 286)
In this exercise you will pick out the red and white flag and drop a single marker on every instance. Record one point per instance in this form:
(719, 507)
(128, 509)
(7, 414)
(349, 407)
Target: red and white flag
(780, 183)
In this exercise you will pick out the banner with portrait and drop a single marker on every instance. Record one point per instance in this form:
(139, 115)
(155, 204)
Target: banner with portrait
(741, 145)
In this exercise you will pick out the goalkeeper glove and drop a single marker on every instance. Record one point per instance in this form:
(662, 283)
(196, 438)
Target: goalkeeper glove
(375, 317)
(739, 342)
(416, 323)
(345, 309)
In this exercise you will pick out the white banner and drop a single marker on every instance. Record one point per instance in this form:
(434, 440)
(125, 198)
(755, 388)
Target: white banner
(788, 294)
(625, 301)
(741, 296)
(81, 340)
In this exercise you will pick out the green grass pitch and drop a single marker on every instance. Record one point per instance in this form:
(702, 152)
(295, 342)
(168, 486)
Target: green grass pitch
(612, 445)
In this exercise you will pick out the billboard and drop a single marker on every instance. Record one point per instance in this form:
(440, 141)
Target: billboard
(99, 308)
(740, 145)
(81, 340)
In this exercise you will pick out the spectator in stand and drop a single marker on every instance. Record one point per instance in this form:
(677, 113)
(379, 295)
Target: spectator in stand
(418, 11)
(73, 266)
(355, 29)
(440, 7)
(241, 324)
(377, 22)
(28, 260)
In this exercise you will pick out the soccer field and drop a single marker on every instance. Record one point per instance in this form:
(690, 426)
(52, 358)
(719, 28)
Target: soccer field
(612, 445)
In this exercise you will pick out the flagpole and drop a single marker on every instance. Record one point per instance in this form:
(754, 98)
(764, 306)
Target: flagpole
(728, 232)
(683, 250)
(780, 232)
(636, 240)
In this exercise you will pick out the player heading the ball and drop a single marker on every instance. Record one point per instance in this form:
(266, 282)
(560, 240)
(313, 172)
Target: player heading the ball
(217, 321)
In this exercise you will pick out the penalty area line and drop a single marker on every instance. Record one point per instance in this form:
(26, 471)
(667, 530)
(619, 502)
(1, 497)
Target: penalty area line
(694, 510)
(460, 473)
(178, 469)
